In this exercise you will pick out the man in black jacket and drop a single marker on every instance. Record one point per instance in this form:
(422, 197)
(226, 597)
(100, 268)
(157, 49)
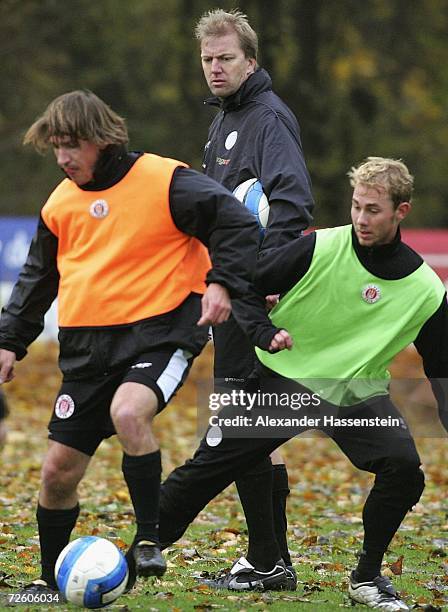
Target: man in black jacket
(122, 242)
(254, 135)
(352, 297)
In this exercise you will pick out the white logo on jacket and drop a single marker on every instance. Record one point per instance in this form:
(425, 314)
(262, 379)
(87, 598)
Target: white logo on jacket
(231, 140)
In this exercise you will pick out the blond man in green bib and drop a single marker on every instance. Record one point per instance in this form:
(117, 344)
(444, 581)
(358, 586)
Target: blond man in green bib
(352, 297)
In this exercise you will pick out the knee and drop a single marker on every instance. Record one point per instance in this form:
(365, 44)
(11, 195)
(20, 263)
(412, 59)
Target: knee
(122, 415)
(415, 479)
(409, 468)
(128, 417)
(413, 484)
(59, 479)
(406, 479)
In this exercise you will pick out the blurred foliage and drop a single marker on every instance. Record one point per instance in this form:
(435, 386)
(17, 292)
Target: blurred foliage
(363, 78)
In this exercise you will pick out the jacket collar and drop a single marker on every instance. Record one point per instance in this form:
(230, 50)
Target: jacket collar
(255, 84)
(378, 253)
(113, 164)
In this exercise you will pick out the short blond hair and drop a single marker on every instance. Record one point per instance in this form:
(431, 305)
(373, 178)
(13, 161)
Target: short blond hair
(391, 174)
(78, 115)
(219, 22)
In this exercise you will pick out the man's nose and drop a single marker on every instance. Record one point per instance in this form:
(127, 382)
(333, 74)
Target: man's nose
(362, 218)
(216, 65)
(62, 156)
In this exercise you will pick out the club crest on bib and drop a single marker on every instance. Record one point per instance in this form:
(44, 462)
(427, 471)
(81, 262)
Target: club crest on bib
(99, 209)
(65, 407)
(371, 293)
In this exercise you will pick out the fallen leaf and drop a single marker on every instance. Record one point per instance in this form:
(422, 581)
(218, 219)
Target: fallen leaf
(397, 567)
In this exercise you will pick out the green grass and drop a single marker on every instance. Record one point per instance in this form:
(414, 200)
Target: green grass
(324, 510)
(323, 552)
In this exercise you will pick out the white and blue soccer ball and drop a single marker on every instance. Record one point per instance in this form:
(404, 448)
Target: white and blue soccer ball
(251, 194)
(91, 572)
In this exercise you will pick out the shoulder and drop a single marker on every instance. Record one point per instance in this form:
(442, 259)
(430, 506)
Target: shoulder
(341, 233)
(274, 104)
(407, 252)
(151, 161)
(61, 190)
(407, 259)
(271, 113)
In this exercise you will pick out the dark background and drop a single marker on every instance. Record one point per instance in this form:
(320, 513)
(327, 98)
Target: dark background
(364, 78)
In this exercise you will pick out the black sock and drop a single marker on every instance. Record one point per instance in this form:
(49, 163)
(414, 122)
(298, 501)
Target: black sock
(142, 475)
(55, 527)
(280, 491)
(369, 566)
(380, 525)
(255, 491)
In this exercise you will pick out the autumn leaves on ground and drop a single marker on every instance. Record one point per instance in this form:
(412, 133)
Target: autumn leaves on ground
(324, 508)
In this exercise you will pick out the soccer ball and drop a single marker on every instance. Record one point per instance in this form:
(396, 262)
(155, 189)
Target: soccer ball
(251, 194)
(91, 572)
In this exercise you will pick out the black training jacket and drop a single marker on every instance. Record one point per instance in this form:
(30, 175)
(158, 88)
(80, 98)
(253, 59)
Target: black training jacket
(255, 135)
(200, 207)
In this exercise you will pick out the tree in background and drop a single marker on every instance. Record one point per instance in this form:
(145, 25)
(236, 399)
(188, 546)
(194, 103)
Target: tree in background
(363, 79)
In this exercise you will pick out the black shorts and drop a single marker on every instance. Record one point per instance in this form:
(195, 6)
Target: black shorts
(81, 414)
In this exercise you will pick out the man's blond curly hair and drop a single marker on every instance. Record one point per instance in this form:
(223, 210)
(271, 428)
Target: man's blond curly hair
(391, 174)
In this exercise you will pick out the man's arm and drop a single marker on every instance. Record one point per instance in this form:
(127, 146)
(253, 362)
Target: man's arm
(217, 306)
(203, 208)
(432, 344)
(285, 179)
(22, 318)
(278, 270)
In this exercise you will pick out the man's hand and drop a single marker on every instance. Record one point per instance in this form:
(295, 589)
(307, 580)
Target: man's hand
(216, 305)
(7, 361)
(281, 340)
(271, 301)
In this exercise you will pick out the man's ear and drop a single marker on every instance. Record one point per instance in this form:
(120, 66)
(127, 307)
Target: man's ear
(402, 210)
(252, 66)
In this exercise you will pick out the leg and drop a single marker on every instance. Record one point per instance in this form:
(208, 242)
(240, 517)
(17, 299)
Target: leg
(3, 415)
(399, 483)
(79, 422)
(3, 433)
(58, 507)
(144, 392)
(263, 491)
(190, 487)
(255, 489)
(280, 492)
(260, 489)
(132, 411)
(201, 478)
